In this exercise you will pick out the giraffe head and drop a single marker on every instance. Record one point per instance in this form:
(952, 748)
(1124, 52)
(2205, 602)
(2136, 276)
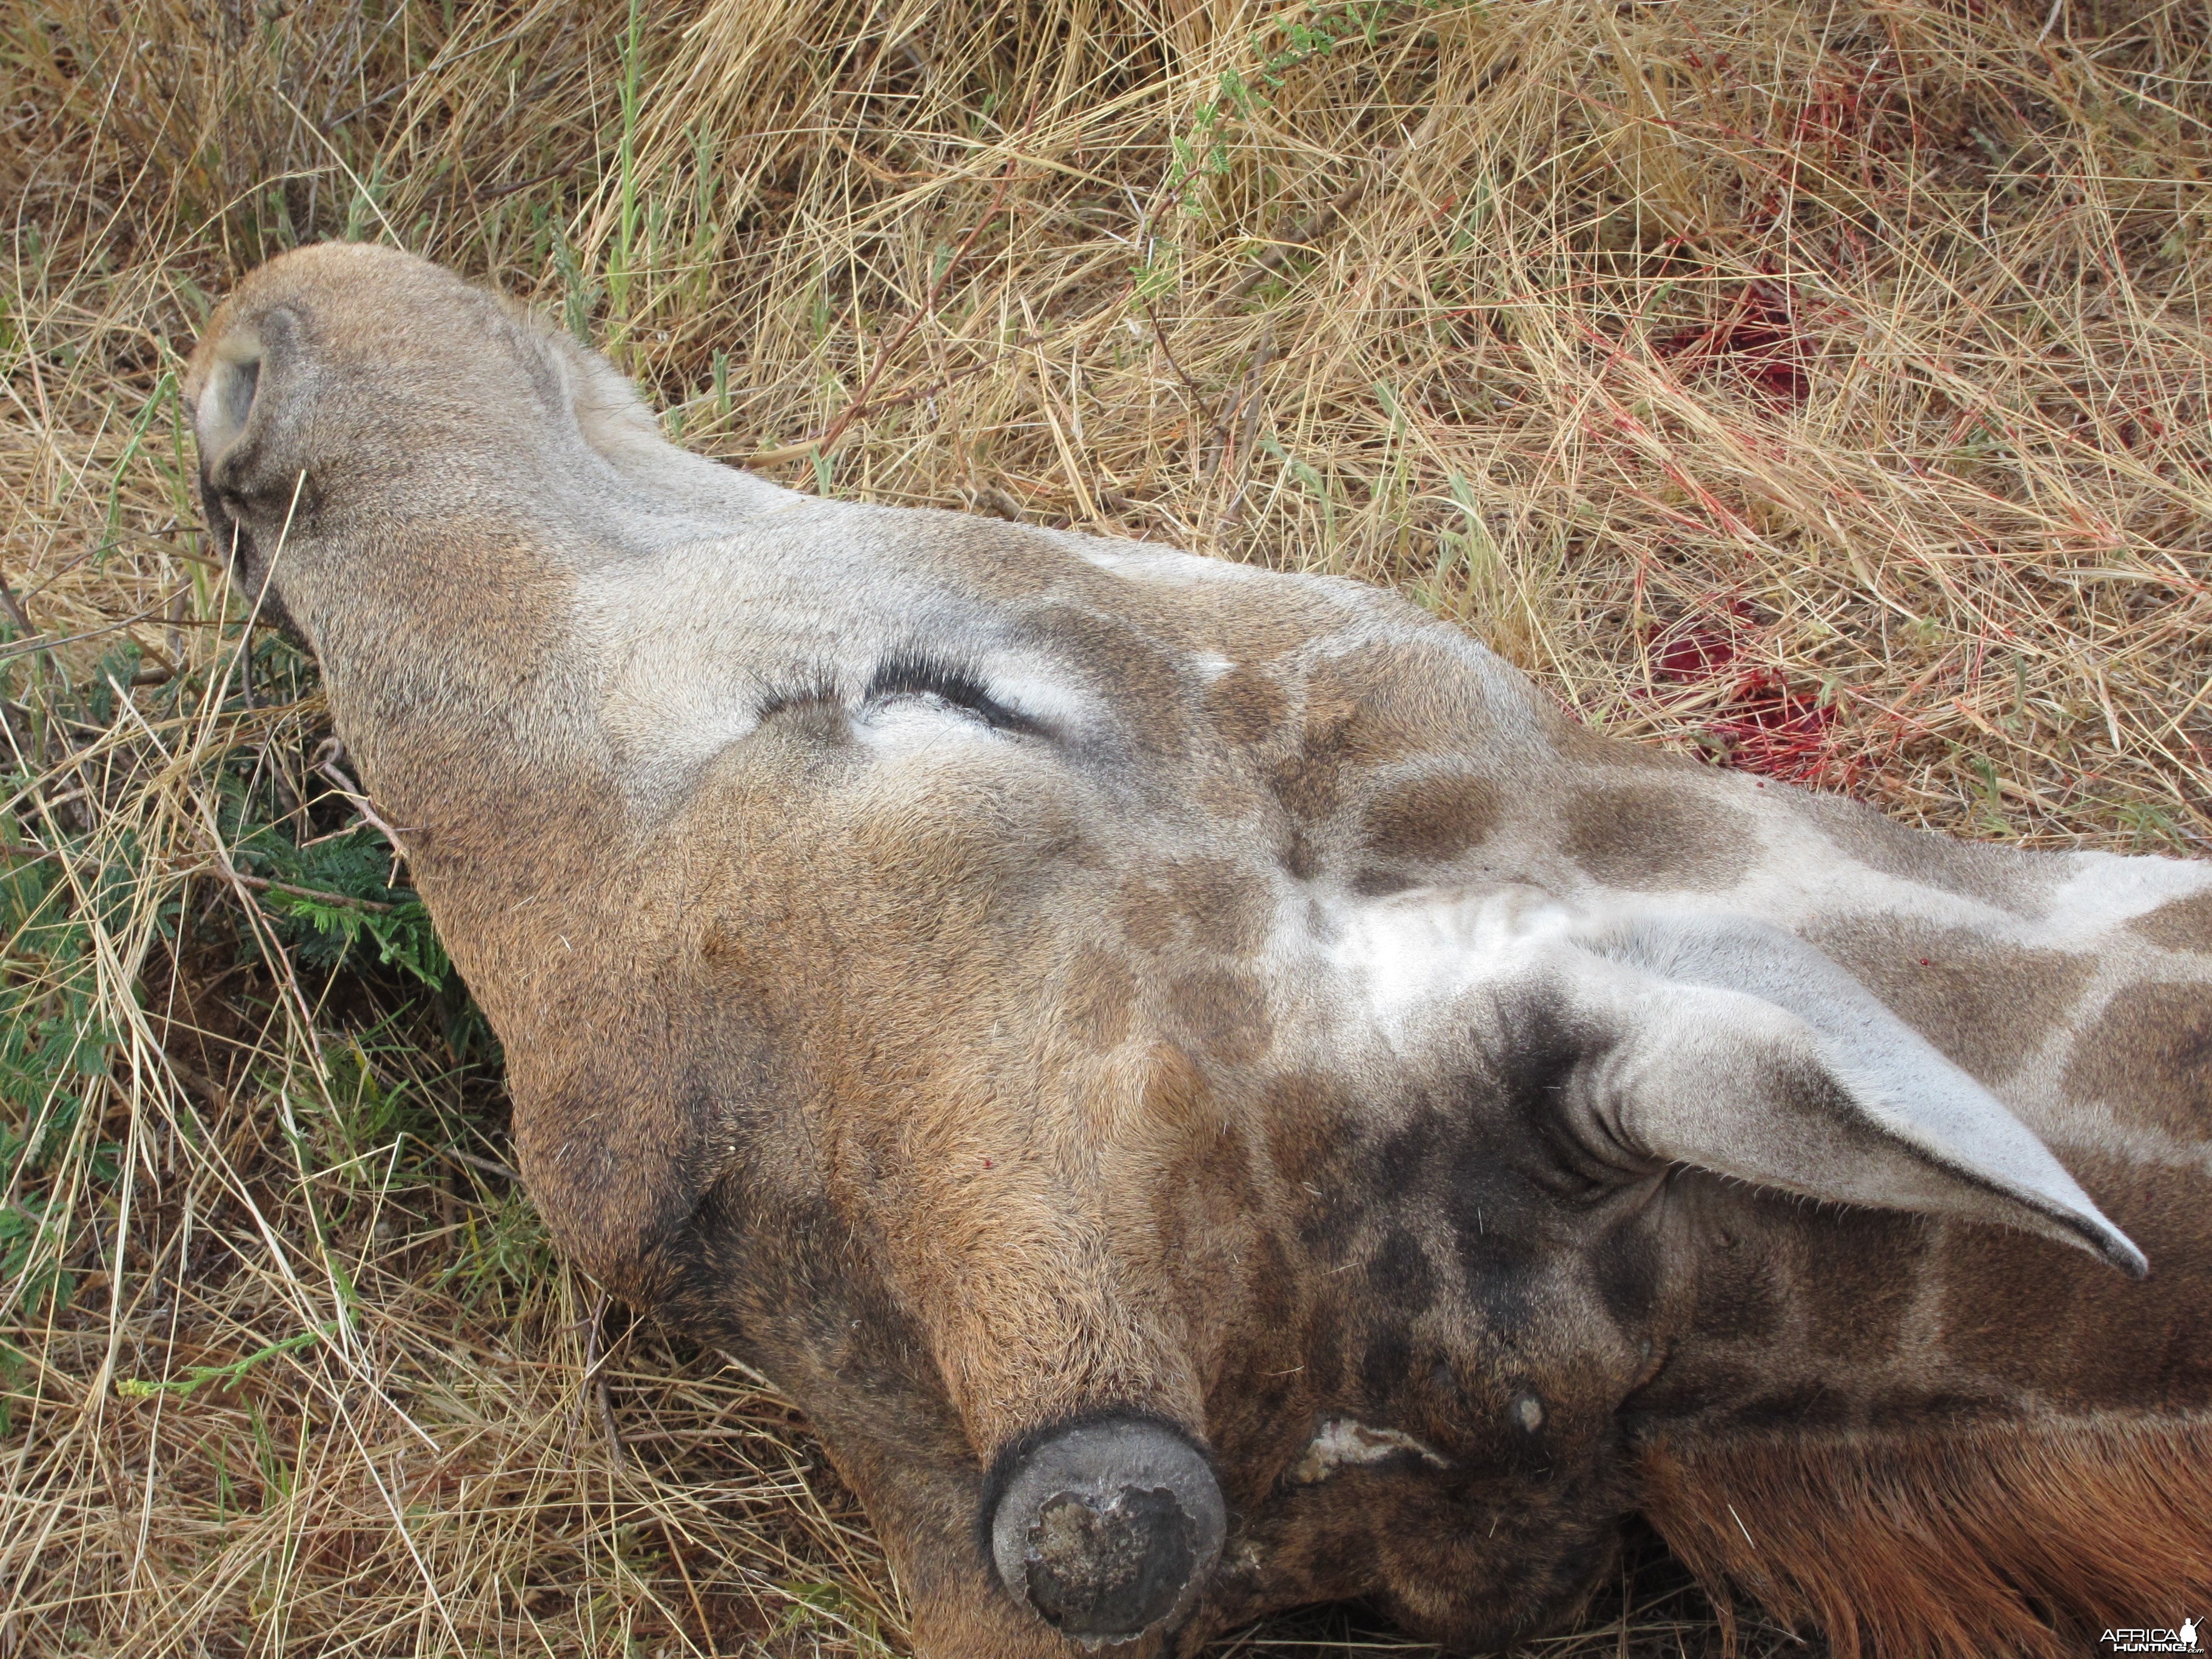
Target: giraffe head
(1210, 1090)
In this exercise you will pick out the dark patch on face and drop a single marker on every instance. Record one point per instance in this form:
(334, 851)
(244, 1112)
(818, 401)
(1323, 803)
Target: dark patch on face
(1221, 1015)
(1431, 820)
(1809, 1406)
(2149, 1055)
(1245, 707)
(1210, 902)
(1625, 1266)
(1308, 1129)
(1387, 1366)
(1946, 1405)
(1400, 1278)
(1330, 1222)
(1146, 912)
(2162, 1207)
(1300, 858)
(1858, 1280)
(1176, 1104)
(2072, 1334)
(1207, 1204)
(1323, 1347)
(1381, 884)
(1653, 838)
(1271, 1288)
(2182, 924)
(1541, 1055)
(1305, 784)
(1987, 1005)
(1220, 1171)
(1101, 993)
(1354, 719)
(1146, 689)
(1698, 1381)
(1738, 1300)
(1226, 909)
(1495, 1269)
(1403, 1161)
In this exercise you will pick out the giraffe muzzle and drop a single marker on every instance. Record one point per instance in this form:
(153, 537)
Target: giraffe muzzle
(1109, 1530)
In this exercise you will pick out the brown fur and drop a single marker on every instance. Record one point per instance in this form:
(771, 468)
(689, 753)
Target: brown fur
(2183, 925)
(2152, 1046)
(1647, 837)
(1987, 1005)
(2027, 1540)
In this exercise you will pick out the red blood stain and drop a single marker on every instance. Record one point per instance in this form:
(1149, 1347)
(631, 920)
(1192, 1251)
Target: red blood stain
(1769, 726)
(1695, 654)
(1763, 723)
(1757, 338)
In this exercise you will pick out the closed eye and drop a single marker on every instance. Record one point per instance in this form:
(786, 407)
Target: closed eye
(913, 674)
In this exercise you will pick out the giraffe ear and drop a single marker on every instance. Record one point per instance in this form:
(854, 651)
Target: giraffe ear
(252, 389)
(1735, 1048)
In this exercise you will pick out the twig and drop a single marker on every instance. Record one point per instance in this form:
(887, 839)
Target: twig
(48, 803)
(265, 884)
(1300, 240)
(1248, 428)
(208, 1089)
(23, 647)
(327, 762)
(1182, 374)
(1294, 242)
(15, 607)
(593, 1381)
(488, 1165)
(836, 429)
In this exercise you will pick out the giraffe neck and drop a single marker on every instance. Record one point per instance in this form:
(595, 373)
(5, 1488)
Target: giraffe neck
(2077, 989)
(1938, 1439)
(1863, 1323)
(2029, 1540)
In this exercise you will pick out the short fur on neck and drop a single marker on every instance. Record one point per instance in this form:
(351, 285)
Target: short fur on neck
(2027, 1540)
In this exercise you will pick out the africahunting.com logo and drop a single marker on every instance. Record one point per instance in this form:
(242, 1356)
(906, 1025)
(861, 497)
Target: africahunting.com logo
(2153, 1641)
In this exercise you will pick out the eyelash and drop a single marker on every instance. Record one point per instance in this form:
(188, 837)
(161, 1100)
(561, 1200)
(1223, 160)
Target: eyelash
(912, 674)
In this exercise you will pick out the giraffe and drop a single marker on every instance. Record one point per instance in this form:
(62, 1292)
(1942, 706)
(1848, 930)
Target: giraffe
(1210, 1089)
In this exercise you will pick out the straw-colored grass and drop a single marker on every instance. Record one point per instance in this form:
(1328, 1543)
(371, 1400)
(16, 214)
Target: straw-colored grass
(1822, 386)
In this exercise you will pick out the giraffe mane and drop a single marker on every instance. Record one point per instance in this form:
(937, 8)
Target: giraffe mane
(2027, 1540)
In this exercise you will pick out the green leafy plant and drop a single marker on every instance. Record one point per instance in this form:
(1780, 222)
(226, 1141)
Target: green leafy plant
(199, 1376)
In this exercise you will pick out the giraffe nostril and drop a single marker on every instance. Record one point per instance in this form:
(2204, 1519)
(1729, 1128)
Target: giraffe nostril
(1112, 1569)
(1109, 1530)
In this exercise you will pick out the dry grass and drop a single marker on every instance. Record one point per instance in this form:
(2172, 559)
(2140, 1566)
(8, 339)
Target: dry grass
(1821, 385)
